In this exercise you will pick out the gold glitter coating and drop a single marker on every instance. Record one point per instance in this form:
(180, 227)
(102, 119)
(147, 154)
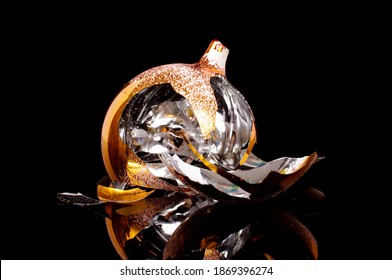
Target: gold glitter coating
(190, 81)
(139, 175)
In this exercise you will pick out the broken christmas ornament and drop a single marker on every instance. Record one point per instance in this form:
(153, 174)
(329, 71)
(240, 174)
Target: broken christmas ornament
(182, 181)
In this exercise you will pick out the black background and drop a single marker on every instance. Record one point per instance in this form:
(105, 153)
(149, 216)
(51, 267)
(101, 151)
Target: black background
(307, 77)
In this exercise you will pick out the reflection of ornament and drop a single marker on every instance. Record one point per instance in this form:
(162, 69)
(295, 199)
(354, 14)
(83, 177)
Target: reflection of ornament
(177, 145)
(178, 226)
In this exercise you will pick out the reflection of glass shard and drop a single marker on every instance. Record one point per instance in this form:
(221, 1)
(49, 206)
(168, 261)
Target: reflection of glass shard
(241, 229)
(149, 242)
(233, 243)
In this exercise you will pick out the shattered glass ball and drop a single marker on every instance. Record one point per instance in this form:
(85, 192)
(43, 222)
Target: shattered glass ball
(186, 128)
(182, 181)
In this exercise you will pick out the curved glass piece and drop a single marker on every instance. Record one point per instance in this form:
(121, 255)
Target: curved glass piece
(233, 124)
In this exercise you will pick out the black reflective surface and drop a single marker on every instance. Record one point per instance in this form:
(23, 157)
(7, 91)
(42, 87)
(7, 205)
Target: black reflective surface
(295, 91)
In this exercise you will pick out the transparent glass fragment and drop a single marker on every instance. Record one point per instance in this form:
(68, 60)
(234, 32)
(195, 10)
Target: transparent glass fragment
(233, 124)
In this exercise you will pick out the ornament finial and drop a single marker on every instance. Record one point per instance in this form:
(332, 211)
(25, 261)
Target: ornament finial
(215, 57)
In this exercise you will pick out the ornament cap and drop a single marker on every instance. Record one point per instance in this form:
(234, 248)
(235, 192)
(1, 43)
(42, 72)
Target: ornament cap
(215, 57)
